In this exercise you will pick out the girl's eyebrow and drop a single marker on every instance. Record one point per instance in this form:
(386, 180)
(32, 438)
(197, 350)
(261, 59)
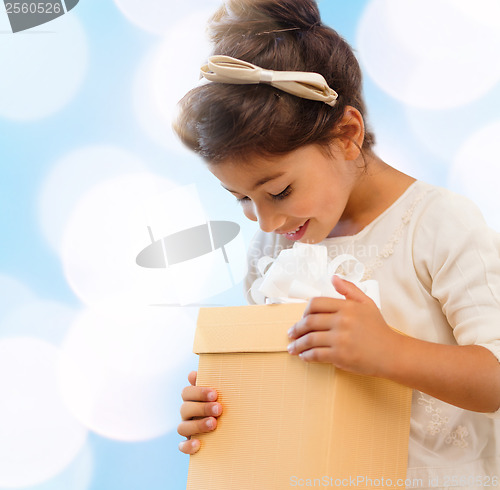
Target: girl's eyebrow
(260, 182)
(267, 179)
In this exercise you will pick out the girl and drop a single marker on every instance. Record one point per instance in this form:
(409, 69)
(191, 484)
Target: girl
(281, 124)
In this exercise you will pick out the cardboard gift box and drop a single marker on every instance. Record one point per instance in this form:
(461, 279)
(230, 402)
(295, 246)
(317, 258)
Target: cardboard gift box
(289, 423)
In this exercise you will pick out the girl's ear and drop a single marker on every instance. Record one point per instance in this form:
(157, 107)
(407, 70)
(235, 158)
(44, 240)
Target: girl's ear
(350, 133)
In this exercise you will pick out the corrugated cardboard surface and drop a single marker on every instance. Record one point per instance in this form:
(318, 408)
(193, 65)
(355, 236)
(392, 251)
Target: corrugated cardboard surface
(287, 423)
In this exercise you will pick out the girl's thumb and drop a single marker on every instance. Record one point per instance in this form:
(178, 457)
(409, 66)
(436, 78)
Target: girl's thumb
(349, 290)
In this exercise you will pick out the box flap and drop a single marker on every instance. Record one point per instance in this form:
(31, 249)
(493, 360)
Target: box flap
(258, 328)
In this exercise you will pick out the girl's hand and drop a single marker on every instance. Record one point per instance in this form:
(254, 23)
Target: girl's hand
(350, 333)
(198, 412)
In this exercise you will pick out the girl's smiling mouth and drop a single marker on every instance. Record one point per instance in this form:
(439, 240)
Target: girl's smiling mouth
(296, 234)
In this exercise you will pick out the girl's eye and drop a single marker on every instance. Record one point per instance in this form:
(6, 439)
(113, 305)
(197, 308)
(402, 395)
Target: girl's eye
(242, 200)
(282, 194)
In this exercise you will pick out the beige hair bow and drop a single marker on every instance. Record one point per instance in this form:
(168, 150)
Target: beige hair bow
(308, 85)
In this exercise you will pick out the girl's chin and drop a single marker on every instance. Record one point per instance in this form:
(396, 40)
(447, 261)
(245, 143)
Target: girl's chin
(312, 236)
(310, 241)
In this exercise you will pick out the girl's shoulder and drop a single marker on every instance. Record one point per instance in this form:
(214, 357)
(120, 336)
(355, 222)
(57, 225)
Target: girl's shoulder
(439, 207)
(450, 228)
(424, 198)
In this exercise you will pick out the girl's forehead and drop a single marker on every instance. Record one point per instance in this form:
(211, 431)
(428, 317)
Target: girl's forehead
(254, 174)
(256, 164)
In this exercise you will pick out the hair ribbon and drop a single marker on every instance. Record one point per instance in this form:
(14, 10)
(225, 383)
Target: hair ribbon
(307, 85)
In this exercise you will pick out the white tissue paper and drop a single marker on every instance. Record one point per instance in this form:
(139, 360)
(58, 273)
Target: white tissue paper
(305, 271)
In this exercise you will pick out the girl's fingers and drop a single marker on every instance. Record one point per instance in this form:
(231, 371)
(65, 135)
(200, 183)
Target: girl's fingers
(310, 341)
(198, 394)
(318, 354)
(324, 305)
(198, 413)
(191, 446)
(192, 378)
(311, 323)
(200, 409)
(190, 428)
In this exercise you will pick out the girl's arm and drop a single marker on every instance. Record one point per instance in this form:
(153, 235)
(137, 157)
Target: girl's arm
(467, 376)
(352, 335)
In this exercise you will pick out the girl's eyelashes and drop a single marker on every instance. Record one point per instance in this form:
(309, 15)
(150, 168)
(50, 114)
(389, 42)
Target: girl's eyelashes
(285, 193)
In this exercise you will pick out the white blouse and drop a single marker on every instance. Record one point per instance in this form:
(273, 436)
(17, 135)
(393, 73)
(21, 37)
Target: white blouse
(438, 268)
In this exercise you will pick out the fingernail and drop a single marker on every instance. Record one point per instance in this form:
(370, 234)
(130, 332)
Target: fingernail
(290, 347)
(290, 332)
(195, 444)
(216, 409)
(212, 396)
(210, 423)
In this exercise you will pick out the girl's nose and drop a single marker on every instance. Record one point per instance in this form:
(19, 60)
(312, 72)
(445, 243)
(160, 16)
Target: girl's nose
(269, 219)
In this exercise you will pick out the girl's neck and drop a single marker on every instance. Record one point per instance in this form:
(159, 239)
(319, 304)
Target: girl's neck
(378, 186)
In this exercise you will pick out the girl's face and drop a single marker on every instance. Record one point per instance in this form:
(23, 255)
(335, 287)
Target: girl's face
(301, 195)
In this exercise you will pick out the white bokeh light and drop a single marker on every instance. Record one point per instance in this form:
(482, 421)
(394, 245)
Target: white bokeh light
(71, 176)
(483, 11)
(13, 294)
(121, 367)
(46, 320)
(76, 476)
(428, 53)
(39, 436)
(103, 237)
(443, 132)
(166, 74)
(109, 228)
(42, 68)
(157, 17)
(475, 172)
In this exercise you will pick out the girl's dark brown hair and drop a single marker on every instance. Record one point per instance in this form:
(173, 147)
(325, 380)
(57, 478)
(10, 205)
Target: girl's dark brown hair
(223, 121)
